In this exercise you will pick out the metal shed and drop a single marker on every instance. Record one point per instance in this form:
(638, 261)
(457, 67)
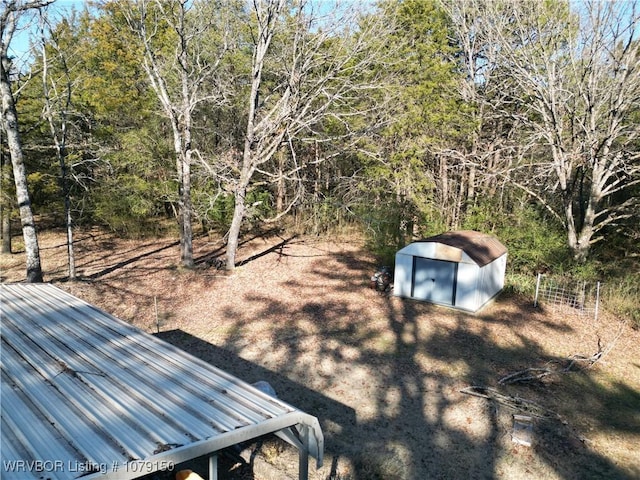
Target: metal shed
(461, 269)
(85, 394)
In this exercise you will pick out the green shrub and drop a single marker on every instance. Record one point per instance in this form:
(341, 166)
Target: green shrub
(218, 215)
(385, 230)
(534, 243)
(325, 214)
(520, 284)
(622, 296)
(129, 206)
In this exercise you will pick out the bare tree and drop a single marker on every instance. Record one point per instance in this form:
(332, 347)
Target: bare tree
(57, 103)
(267, 13)
(574, 77)
(179, 81)
(320, 68)
(476, 164)
(9, 17)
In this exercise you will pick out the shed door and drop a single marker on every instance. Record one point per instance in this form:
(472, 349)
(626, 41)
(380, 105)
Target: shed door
(433, 280)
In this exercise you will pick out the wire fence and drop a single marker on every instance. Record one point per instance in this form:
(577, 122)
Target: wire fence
(578, 297)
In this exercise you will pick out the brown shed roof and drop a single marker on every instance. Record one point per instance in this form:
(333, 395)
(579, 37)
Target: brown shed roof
(481, 247)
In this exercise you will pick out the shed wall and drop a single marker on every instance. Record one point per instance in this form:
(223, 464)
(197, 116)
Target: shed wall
(403, 275)
(467, 286)
(492, 279)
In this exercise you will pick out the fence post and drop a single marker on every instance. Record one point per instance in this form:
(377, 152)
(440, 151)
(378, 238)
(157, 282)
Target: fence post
(535, 301)
(155, 307)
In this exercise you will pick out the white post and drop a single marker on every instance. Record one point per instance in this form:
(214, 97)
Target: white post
(303, 454)
(155, 305)
(213, 467)
(535, 301)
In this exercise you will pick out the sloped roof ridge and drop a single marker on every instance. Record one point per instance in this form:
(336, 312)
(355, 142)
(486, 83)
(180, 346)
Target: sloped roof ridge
(481, 247)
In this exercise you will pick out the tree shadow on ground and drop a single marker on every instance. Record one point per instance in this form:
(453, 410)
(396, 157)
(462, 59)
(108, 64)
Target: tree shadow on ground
(407, 428)
(556, 442)
(323, 407)
(385, 376)
(409, 421)
(215, 257)
(119, 256)
(121, 265)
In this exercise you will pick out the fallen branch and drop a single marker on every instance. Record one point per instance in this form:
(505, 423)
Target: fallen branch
(575, 363)
(526, 375)
(516, 403)
(523, 405)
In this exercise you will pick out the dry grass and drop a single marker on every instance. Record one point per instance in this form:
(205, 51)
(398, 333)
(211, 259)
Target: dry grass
(383, 375)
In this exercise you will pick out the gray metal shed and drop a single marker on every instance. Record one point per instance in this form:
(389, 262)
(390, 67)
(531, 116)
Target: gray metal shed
(85, 394)
(461, 269)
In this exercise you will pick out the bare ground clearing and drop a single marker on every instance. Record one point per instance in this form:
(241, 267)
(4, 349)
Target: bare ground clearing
(382, 374)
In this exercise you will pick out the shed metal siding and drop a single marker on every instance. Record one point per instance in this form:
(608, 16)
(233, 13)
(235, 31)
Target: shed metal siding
(86, 394)
(467, 288)
(434, 280)
(492, 280)
(402, 275)
(480, 261)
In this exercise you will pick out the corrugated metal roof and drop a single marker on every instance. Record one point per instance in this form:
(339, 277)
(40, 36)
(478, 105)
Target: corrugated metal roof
(85, 394)
(481, 247)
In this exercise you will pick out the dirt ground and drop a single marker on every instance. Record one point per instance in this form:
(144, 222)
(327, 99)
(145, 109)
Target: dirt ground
(385, 376)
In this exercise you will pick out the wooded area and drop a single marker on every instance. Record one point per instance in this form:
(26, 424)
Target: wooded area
(402, 119)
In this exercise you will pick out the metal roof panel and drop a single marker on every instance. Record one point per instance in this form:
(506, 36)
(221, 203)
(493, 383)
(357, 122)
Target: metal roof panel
(90, 394)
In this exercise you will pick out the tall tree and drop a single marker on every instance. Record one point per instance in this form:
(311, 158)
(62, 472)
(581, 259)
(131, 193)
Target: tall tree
(410, 182)
(57, 103)
(573, 71)
(124, 144)
(9, 18)
(178, 67)
(310, 72)
(267, 15)
(492, 124)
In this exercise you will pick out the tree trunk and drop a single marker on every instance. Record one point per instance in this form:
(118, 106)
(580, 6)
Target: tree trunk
(6, 229)
(448, 214)
(5, 206)
(234, 230)
(580, 241)
(71, 256)
(185, 209)
(267, 15)
(178, 104)
(59, 136)
(10, 119)
(280, 192)
(471, 187)
(186, 242)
